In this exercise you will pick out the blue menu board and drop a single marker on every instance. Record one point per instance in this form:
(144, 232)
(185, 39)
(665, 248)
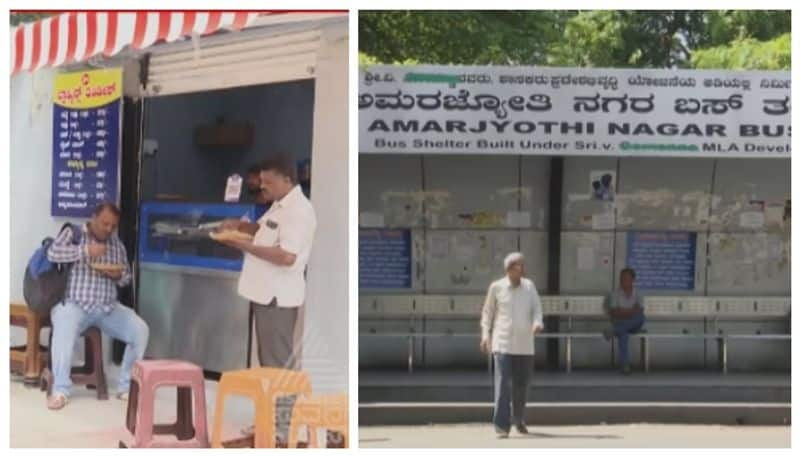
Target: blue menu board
(663, 260)
(384, 259)
(86, 141)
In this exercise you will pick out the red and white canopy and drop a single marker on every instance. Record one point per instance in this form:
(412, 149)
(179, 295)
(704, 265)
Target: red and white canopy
(77, 36)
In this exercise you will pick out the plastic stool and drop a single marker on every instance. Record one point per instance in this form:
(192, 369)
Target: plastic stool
(319, 411)
(91, 374)
(262, 385)
(147, 376)
(30, 359)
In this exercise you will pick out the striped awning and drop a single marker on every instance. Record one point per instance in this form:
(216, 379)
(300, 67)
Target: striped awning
(77, 36)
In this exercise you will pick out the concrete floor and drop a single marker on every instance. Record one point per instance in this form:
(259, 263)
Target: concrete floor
(89, 423)
(578, 378)
(380, 386)
(594, 436)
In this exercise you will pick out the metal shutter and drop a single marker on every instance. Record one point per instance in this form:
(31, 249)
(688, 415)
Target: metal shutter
(258, 56)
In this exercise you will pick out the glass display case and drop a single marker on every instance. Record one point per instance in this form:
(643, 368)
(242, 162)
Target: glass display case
(188, 284)
(178, 234)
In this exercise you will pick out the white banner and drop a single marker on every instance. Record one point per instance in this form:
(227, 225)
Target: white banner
(574, 111)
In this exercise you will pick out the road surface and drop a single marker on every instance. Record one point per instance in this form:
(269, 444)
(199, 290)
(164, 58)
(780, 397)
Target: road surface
(594, 436)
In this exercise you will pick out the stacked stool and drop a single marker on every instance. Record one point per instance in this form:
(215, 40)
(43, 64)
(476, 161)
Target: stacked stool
(263, 386)
(319, 411)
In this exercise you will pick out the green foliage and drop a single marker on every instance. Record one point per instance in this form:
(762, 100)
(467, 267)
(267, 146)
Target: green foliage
(603, 38)
(725, 26)
(365, 60)
(460, 37)
(636, 39)
(747, 54)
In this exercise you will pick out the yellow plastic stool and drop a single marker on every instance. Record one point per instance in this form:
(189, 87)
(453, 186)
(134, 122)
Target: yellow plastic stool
(263, 386)
(319, 411)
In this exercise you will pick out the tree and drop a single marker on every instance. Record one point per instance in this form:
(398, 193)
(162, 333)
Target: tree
(658, 39)
(460, 37)
(604, 38)
(747, 40)
(747, 54)
(726, 26)
(636, 39)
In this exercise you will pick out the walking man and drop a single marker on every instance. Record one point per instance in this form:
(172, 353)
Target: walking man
(512, 315)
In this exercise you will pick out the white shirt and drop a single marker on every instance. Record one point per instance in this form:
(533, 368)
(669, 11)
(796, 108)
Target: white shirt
(509, 314)
(289, 224)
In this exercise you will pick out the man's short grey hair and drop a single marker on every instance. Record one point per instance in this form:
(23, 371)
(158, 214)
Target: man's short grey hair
(514, 257)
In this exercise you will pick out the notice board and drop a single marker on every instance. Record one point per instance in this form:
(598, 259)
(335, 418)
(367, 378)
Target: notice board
(384, 259)
(86, 141)
(663, 260)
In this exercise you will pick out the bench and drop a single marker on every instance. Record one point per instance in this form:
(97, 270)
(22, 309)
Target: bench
(721, 339)
(415, 308)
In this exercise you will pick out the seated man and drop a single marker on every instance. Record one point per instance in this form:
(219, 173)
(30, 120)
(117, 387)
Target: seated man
(625, 311)
(91, 300)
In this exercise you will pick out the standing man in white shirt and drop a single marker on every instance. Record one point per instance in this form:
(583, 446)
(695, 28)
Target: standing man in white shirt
(512, 315)
(273, 274)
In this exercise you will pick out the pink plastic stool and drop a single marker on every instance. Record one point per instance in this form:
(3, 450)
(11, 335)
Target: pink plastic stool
(149, 375)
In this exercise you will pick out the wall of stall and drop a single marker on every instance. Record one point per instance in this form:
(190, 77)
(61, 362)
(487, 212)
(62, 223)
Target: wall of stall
(282, 117)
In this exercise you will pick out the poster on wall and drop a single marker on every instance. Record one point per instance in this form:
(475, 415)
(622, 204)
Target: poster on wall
(384, 259)
(86, 141)
(602, 184)
(436, 109)
(662, 260)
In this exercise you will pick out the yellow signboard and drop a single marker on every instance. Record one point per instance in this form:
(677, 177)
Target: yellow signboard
(88, 89)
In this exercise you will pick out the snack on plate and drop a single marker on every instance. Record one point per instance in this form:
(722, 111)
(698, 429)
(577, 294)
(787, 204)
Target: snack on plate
(231, 235)
(108, 266)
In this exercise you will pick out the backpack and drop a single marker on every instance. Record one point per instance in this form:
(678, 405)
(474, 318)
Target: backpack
(45, 282)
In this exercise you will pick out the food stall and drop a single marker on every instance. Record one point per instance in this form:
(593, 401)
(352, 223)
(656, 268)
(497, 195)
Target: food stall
(204, 95)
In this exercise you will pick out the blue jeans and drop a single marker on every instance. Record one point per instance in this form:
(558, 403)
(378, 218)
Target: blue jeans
(70, 321)
(622, 329)
(511, 375)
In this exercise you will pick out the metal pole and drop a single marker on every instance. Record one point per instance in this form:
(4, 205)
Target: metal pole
(569, 344)
(410, 353)
(725, 354)
(569, 354)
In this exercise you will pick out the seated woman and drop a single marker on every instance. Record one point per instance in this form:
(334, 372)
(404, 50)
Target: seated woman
(626, 313)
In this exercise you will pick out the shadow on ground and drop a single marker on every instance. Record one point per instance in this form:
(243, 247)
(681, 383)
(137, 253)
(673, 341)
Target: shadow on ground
(534, 435)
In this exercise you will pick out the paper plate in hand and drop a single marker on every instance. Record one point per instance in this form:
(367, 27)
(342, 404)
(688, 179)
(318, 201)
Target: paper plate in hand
(108, 266)
(230, 235)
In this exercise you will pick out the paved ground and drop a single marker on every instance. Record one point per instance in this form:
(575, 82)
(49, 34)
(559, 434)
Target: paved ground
(597, 436)
(577, 378)
(89, 423)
